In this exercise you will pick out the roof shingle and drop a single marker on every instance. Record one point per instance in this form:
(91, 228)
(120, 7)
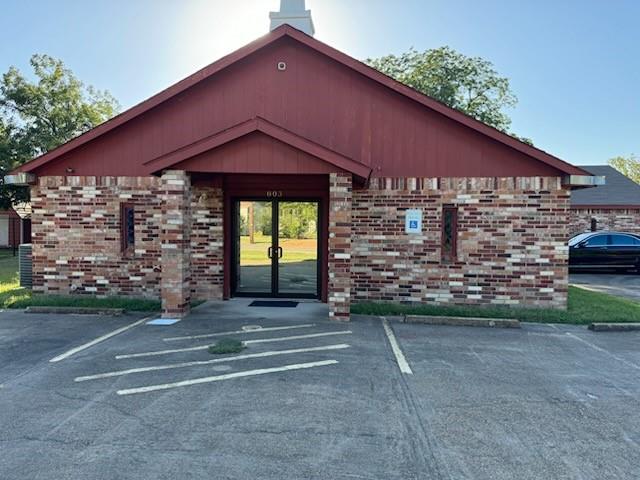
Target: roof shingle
(618, 190)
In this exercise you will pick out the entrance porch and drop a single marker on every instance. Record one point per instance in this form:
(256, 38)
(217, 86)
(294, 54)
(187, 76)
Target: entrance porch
(206, 216)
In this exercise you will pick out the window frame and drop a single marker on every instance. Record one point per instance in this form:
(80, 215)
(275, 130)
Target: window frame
(127, 247)
(450, 256)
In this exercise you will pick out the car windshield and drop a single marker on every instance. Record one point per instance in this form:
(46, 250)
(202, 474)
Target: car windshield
(578, 238)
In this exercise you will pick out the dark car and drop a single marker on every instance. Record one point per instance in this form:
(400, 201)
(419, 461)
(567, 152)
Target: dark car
(603, 250)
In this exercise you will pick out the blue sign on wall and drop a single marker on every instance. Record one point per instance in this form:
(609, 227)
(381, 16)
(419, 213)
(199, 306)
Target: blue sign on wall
(413, 221)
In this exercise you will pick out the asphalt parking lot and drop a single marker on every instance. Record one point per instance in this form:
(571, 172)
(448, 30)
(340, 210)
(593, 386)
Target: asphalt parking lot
(620, 284)
(314, 399)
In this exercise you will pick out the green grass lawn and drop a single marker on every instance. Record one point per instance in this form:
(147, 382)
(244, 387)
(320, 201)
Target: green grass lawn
(12, 296)
(293, 250)
(584, 307)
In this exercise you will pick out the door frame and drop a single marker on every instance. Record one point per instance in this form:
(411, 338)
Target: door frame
(275, 244)
(293, 187)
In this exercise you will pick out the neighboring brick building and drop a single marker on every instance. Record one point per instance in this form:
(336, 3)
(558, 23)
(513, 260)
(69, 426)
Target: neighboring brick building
(612, 206)
(290, 169)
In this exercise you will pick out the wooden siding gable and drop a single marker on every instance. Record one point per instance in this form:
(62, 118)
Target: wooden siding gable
(245, 128)
(326, 104)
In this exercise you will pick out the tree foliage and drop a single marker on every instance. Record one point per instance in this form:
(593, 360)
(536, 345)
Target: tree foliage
(628, 166)
(298, 220)
(37, 116)
(468, 84)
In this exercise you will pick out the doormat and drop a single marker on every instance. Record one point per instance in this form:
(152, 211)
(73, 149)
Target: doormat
(274, 303)
(163, 321)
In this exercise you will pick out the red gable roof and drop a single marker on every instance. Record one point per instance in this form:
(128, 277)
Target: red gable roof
(342, 59)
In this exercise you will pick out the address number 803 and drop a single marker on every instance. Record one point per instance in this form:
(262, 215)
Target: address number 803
(274, 193)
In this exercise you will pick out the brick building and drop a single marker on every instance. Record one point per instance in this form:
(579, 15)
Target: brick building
(288, 169)
(612, 206)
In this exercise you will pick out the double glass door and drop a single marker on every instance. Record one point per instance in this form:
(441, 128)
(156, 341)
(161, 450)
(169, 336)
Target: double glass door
(276, 248)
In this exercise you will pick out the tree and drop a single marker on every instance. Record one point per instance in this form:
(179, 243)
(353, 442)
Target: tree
(628, 166)
(468, 84)
(36, 117)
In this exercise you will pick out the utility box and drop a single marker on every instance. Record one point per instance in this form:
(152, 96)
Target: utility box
(25, 265)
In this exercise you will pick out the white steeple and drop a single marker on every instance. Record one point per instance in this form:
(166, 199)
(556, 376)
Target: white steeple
(294, 13)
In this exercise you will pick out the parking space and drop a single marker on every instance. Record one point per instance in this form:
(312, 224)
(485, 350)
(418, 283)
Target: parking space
(546, 401)
(309, 398)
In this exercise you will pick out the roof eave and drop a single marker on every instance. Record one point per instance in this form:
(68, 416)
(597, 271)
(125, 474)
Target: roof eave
(583, 181)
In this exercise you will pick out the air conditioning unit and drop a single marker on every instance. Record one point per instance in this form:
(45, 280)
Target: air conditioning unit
(25, 265)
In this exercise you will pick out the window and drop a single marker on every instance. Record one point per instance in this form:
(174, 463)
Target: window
(597, 241)
(594, 224)
(623, 241)
(578, 238)
(449, 233)
(127, 227)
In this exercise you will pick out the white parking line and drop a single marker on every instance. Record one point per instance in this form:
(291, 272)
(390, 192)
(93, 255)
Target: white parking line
(204, 347)
(75, 350)
(602, 350)
(254, 330)
(228, 376)
(296, 337)
(272, 353)
(397, 351)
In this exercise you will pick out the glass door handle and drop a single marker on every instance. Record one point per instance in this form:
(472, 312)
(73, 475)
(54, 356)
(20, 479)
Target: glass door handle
(270, 252)
(279, 252)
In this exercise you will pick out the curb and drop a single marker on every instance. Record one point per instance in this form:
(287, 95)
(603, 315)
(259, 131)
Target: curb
(463, 321)
(447, 321)
(76, 310)
(614, 327)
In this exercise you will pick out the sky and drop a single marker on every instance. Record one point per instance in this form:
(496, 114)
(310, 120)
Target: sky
(573, 64)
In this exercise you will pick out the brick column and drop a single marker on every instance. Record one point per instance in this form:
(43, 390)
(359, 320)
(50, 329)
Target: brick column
(175, 241)
(339, 294)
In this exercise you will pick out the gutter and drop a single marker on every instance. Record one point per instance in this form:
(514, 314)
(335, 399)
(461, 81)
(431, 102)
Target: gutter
(20, 179)
(583, 181)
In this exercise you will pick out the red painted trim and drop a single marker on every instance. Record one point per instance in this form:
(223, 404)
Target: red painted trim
(605, 207)
(286, 30)
(268, 128)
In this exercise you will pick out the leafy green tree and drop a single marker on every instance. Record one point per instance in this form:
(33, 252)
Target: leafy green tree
(628, 166)
(37, 116)
(298, 220)
(468, 84)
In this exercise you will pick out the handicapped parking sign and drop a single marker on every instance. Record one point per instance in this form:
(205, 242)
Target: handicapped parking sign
(413, 221)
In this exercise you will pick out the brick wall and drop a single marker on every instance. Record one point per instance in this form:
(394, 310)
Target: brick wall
(207, 255)
(76, 236)
(512, 235)
(511, 240)
(175, 244)
(340, 244)
(623, 220)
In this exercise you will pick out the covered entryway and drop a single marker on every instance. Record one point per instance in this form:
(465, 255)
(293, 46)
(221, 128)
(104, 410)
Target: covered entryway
(276, 248)
(259, 166)
(276, 236)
